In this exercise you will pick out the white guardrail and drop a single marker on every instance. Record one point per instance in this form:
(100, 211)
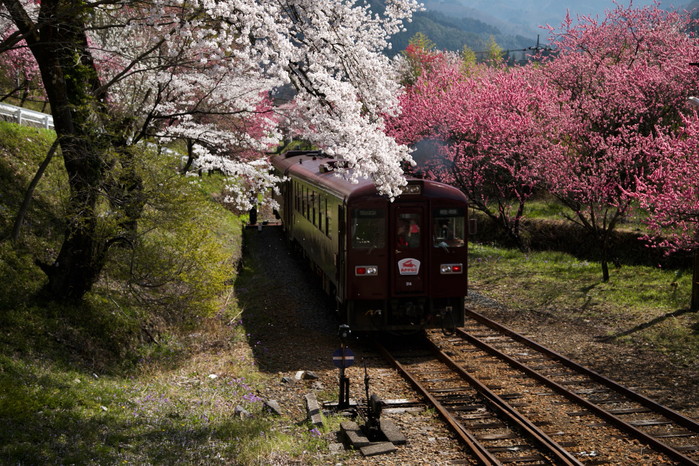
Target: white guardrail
(23, 116)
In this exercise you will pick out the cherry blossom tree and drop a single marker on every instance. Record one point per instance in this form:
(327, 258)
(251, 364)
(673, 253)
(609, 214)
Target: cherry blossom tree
(621, 81)
(119, 73)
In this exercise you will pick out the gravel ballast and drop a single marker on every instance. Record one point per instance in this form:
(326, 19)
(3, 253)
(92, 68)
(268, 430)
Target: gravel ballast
(293, 330)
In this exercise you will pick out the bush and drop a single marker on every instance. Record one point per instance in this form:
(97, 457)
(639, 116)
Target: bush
(545, 234)
(180, 263)
(174, 271)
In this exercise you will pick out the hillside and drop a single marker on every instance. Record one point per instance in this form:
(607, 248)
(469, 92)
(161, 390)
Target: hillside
(526, 17)
(453, 24)
(453, 33)
(129, 376)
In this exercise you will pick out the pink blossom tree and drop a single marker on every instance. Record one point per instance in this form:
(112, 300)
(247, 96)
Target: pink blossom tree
(488, 124)
(19, 74)
(620, 83)
(670, 193)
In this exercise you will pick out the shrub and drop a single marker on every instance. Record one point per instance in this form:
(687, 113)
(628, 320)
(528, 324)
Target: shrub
(179, 264)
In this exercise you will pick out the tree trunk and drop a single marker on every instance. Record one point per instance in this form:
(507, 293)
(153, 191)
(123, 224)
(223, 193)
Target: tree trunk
(190, 157)
(605, 270)
(71, 84)
(694, 304)
(30, 192)
(77, 267)
(604, 249)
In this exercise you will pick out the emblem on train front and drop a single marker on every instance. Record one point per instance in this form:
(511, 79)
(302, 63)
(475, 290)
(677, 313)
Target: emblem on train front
(409, 266)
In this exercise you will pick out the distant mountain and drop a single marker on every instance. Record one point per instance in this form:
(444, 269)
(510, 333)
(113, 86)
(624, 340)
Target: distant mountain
(526, 17)
(515, 24)
(453, 33)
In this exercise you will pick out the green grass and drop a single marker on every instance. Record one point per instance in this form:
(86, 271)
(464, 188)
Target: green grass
(648, 303)
(51, 415)
(550, 208)
(547, 208)
(143, 378)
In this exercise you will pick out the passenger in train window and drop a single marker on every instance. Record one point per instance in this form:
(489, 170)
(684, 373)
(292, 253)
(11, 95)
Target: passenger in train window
(414, 234)
(402, 235)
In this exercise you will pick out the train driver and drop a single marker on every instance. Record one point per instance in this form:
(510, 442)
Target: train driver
(402, 234)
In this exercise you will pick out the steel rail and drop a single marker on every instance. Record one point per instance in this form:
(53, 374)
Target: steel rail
(483, 455)
(647, 402)
(500, 405)
(525, 424)
(615, 420)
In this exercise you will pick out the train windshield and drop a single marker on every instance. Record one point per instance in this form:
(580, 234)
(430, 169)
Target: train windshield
(368, 229)
(449, 227)
(408, 230)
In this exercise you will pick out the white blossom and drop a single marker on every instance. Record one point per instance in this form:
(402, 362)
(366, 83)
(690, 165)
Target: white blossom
(202, 70)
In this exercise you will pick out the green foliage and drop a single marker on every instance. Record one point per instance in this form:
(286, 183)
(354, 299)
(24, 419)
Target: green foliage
(494, 53)
(421, 41)
(468, 57)
(181, 260)
(177, 268)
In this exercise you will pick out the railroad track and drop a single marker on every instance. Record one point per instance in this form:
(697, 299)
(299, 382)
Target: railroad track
(511, 400)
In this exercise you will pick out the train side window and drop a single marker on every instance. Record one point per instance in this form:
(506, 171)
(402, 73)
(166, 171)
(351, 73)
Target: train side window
(297, 197)
(329, 217)
(312, 206)
(368, 230)
(319, 223)
(449, 227)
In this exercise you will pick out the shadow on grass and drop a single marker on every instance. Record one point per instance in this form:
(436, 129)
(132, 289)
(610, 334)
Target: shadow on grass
(651, 323)
(287, 315)
(50, 417)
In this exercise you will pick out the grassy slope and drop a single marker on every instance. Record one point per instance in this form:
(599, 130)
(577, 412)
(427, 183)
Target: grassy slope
(98, 383)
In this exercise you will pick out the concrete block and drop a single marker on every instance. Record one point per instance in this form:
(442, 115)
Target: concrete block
(349, 425)
(378, 448)
(313, 410)
(392, 433)
(356, 439)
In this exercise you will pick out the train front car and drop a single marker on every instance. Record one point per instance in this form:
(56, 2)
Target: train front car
(392, 266)
(407, 259)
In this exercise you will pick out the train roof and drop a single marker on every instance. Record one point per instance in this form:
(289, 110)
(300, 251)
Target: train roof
(319, 169)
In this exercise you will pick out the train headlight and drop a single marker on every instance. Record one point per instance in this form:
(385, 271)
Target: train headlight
(366, 270)
(412, 189)
(451, 269)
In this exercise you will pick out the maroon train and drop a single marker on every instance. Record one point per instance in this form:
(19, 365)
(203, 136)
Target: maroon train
(391, 266)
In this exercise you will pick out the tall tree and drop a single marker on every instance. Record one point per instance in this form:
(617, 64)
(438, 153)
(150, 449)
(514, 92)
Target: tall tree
(620, 82)
(118, 73)
(487, 124)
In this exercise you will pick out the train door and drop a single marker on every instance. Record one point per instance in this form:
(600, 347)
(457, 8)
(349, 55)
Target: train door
(409, 234)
